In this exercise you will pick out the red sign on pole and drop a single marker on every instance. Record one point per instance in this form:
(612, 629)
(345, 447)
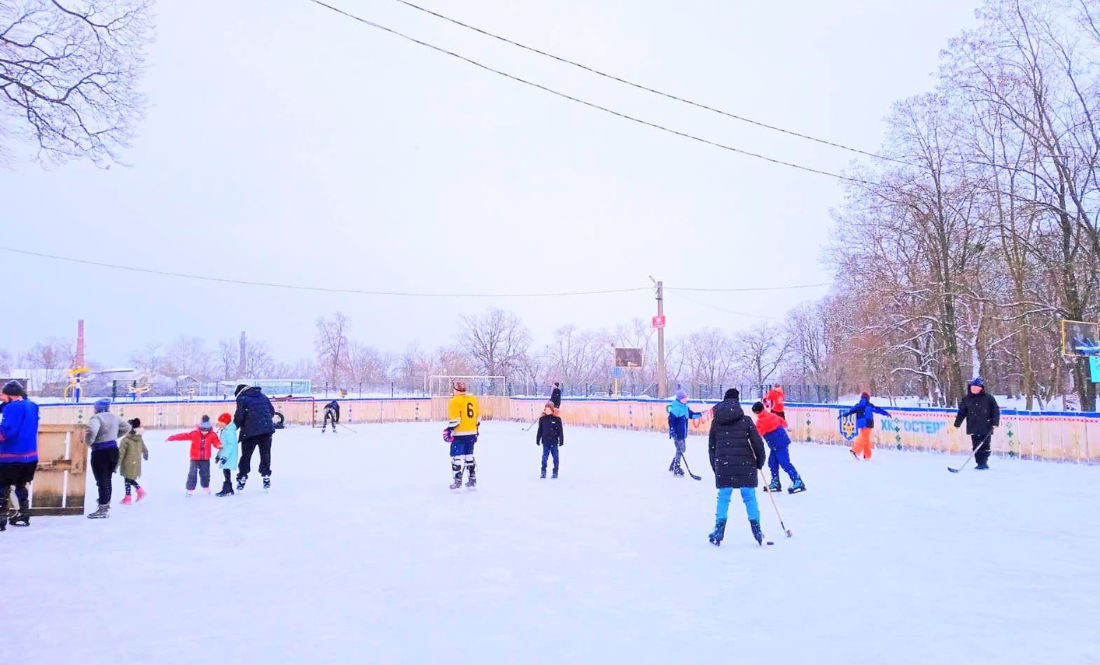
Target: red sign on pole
(659, 321)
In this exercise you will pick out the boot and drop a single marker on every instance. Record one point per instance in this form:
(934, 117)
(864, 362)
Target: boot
(457, 484)
(227, 489)
(126, 500)
(543, 476)
(100, 513)
(775, 486)
(267, 483)
(797, 487)
(719, 533)
(982, 467)
(23, 518)
(140, 494)
(554, 475)
(241, 480)
(756, 532)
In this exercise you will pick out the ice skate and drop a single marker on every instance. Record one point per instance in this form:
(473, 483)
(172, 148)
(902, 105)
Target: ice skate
(797, 487)
(22, 518)
(554, 475)
(718, 534)
(241, 480)
(189, 493)
(982, 467)
(100, 513)
(757, 533)
(543, 474)
(457, 484)
(267, 483)
(775, 485)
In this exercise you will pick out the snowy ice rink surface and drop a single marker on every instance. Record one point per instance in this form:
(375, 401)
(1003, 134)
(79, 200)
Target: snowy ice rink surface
(360, 554)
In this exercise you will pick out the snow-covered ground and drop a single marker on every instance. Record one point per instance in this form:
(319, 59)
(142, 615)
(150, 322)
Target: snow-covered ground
(360, 554)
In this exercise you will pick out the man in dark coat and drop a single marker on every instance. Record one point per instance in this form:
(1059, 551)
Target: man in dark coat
(255, 423)
(737, 454)
(555, 395)
(982, 413)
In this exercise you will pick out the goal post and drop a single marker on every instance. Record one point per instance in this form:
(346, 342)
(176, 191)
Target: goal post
(441, 385)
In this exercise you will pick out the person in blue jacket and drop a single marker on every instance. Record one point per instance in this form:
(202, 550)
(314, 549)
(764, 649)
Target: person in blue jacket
(679, 413)
(18, 451)
(865, 412)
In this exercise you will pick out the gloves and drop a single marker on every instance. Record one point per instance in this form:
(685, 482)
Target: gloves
(220, 460)
(145, 457)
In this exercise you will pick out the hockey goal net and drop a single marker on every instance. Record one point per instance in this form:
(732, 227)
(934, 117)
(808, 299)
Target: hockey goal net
(295, 411)
(442, 385)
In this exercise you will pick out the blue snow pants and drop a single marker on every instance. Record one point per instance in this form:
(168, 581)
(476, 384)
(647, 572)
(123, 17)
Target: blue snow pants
(781, 457)
(748, 495)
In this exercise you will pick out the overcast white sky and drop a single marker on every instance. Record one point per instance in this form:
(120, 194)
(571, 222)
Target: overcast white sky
(287, 143)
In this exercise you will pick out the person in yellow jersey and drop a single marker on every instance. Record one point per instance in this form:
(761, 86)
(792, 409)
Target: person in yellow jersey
(465, 417)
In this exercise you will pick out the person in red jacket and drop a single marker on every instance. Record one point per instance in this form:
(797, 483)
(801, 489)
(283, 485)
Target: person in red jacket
(203, 441)
(773, 400)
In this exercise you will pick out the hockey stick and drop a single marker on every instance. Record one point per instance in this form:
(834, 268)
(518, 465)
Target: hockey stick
(347, 428)
(971, 455)
(775, 505)
(528, 428)
(685, 460)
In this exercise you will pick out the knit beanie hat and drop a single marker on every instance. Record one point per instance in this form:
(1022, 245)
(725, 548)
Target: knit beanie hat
(865, 395)
(681, 395)
(135, 423)
(204, 424)
(225, 419)
(102, 405)
(977, 381)
(758, 407)
(733, 393)
(14, 389)
(240, 389)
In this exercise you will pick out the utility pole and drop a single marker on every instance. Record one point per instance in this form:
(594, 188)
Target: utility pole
(661, 376)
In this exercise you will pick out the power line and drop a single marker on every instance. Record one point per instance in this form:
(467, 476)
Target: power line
(742, 289)
(593, 105)
(639, 86)
(320, 289)
(723, 309)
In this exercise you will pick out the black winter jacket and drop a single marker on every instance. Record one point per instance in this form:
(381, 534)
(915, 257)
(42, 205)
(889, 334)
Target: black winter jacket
(255, 414)
(555, 397)
(334, 407)
(736, 449)
(551, 432)
(980, 412)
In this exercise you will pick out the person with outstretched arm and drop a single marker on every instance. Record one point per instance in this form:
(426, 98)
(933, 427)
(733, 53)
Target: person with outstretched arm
(982, 413)
(865, 412)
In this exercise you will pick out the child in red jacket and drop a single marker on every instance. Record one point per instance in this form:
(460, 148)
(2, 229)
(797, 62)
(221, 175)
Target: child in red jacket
(203, 441)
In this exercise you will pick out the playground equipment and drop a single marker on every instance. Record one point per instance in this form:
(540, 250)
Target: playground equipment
(74, 388)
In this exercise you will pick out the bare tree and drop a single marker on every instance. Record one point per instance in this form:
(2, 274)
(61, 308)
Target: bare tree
(228, 358)
(761, 351)
(189, 356)
(149, 362)
(68, 75)
(333, 348)
(5, 361)
(369, 367)
(258, 362)
(497, 340)
(53, 354)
